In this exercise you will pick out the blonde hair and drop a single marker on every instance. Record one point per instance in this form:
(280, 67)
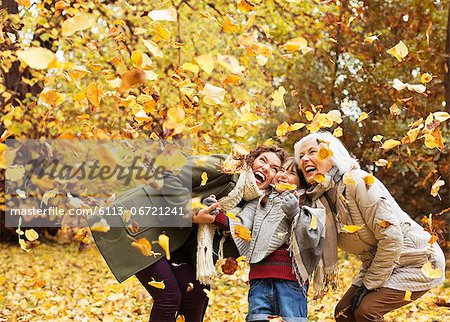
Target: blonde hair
(341, 157)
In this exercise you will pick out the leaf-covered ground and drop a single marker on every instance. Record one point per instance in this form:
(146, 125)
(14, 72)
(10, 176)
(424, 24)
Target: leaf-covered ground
(59, 283)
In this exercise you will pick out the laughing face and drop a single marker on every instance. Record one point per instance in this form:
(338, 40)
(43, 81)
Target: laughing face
(309, 161)
(265, 166)
(287, 174)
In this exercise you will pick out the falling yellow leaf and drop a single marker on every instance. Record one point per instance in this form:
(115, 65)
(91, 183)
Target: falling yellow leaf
(31, 234)
(362, 117)
(369, 180)
(282, 129)
(441, 116)
(394, 110)
(371, 39)
(100, 226)
(348, 179)
(232, 216)
(426, 78)
(296, 126)
(430, 272)
(140, 60)
(23, 245)
(399, 51)
(93, 94)
(204, 177)
(245, 6)
(407, 296)
(37, 57)
(324, 153)
(213, 95)
(191, 67)
(241, 259)
(163, 241)
(377, 138)
(309, 115)
(278, 97)
(243, 233)
(229, 25)
(241, 131)
(337, 132)
(76, 23)
(24, 3)
(156, 284)
(384, 224)
(286, 186)
(319, 178)
(162, 33)
(143, 246)
(52, 97)
(206, 62)
(382, 162)
(390, 144)
(296, 44)
(231, 63)
(313, 223)
(163, 15)
(351, 228)
(433, 239)
(334, 116)
(153, 48)
(436, 186)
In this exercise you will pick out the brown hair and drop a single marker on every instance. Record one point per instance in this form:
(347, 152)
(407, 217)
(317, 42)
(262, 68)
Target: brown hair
(281, 153)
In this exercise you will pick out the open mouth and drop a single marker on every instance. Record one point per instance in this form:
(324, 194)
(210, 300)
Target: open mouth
(310, 168)
(260, 177)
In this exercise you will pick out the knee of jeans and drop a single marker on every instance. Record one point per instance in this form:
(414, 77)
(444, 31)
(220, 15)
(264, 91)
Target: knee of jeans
(170, 300)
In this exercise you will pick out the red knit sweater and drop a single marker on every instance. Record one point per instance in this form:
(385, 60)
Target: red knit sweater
(276, 265)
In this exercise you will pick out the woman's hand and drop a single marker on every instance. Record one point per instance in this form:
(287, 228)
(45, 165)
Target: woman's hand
(290, 205)
(204, 215)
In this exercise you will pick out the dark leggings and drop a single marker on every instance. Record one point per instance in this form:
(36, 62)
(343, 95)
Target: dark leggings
(183, 294)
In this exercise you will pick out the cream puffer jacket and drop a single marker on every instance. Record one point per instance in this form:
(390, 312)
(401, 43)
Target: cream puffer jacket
(391, 245)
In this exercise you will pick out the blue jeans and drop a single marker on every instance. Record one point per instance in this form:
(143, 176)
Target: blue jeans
(276, 297)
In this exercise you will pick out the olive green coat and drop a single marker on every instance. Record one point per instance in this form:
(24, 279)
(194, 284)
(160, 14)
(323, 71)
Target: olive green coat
(125, 260)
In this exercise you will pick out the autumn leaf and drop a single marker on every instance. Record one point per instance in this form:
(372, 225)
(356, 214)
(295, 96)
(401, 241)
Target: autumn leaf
(213, 95)
(369, 180)
(153, 48)
(229, 25)
(242, 232)
(143, 246)
(430, 272)
(37, 57)
(93, 94)
(324, 153)
(15, 172)
(394, 110)
(231, 216)
(156, 284)
(191, 67)
(399, 51)
(371, 39)
(441, 116)
(206, 62)
(282, 129)
(337, 132)
(241, 131)
(348, 179)
(204, 177)
(163, 241)
(426, 78)
(277, 96)
(163, 15)
(384, 224)
(101, 226)
(351, 228)
(31, 234)
(132, 78)
(362, 117)
(377, 138)
(433, 239)
(77, 23)
(313, 224)
(390, 144)
(436, 186)
(319, 178)
(286, 186)
(407, 296)
(297, 44)
(52, 97)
